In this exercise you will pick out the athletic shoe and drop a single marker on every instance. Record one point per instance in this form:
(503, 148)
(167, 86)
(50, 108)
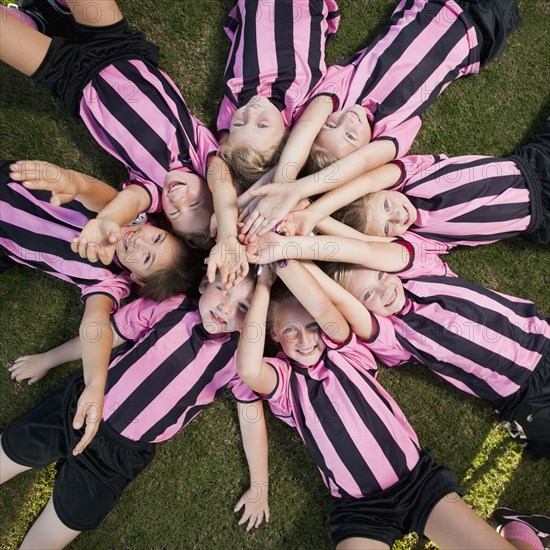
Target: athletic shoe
(538, 523)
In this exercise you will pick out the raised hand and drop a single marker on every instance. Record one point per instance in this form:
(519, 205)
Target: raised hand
(228, 256)
(97, 240)
(39, 175)
(278, 199)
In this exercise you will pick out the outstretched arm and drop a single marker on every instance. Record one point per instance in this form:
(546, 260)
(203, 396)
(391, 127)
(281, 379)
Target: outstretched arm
(227, 255)
(254, 434)
(382, 256)
(64, 184)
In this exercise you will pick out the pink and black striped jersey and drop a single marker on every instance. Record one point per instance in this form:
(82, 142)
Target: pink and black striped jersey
(483, 342)
(428, 44)
(353, 429)
(277, 51)
(169, 372)
(137, 114)
(36, 234)
(469, 200)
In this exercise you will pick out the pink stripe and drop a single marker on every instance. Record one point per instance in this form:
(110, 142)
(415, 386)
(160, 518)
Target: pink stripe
(330, 454)
(166, 400)
(498, 382)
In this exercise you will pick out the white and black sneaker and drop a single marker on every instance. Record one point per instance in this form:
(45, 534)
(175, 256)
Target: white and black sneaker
(538, 523)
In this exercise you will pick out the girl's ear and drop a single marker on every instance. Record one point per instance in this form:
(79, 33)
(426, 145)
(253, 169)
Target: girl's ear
(273, 336)
(137, 279)
(203, 285)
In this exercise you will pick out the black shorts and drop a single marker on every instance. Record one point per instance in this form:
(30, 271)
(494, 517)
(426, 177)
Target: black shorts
(533, 160)
(526, 413)
(401, 509)
(70, 65)
(87, 486)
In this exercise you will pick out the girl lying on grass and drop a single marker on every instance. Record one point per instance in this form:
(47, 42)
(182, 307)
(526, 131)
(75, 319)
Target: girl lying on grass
(37, 234)
(110, 79)
(490, 345)
(177, 357)
(382, 93)
(323, 384)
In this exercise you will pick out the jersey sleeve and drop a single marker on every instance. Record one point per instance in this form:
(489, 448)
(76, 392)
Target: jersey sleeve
(153, 190)
(116, 287)
(241, 392)
(424, 257)
(414, 168)
(385, 345)
(280, 398)
(137, 317)
(225, 114)
(355, 351)
(401, 133)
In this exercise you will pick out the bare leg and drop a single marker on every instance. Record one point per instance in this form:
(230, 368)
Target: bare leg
(20, 46)
(95, 13)
(9, 468)
(359, 543)
(453, 524)
(48, 531)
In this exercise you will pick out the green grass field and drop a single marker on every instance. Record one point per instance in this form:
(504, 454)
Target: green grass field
(185, 498)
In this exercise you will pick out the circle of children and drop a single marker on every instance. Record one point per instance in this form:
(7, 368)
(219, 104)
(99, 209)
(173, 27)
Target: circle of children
(287, 125)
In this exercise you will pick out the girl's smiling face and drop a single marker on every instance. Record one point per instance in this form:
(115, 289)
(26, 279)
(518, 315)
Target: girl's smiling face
(388, 214)
(344, 132)
(187, 202)
(145, 249)
(258, 125)
(297, 332)
(380, 292)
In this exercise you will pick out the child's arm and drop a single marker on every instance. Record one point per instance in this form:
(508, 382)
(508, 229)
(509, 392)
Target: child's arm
(227, 255)
(301, 139)
(98, 238)
(381, 256)
(351, 308)
(283, 197)
(311, 295)
(330, 226)
(257, 375)
(65, 185)
(34, 367)
(254, 435)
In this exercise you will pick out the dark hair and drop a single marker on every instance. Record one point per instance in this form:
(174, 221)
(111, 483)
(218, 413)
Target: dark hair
(200, 240)
(180, 277)
(247, 165)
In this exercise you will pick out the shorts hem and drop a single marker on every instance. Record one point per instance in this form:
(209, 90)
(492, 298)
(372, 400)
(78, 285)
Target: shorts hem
(12, 455)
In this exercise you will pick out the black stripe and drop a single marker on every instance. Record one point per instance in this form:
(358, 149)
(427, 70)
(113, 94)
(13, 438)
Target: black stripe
(476, 239)
(421, 72)
(286, 55)
(308, 438)
(315, 38)
(327, 415)
(397, 15)
(11, 196)
(480, 317)
(120, 110)
(522, 309)
(477, 385)
(43, 252)
(235, 25)
(129, 357)
(251, 66)
(496, 213)
(184, 119)
(395, 51)
(139, 80)
(474, 189)
(189, 400)
(449, 169)
(119, 149)
(387, 443)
